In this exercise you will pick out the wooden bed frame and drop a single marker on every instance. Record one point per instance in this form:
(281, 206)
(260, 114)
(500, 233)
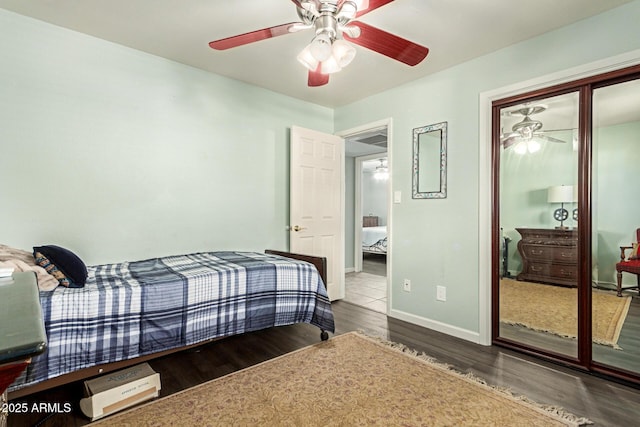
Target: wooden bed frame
(319, 262)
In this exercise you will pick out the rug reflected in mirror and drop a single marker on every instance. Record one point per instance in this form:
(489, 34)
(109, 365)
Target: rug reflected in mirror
(349, 380)
(554, 309)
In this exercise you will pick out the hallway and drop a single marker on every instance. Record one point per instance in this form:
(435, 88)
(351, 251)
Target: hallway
(368, 288)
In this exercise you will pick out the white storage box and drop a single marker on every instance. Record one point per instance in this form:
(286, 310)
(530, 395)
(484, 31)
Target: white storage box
(119, 390)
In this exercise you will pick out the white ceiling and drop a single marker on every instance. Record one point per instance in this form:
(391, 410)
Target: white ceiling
(453, 30)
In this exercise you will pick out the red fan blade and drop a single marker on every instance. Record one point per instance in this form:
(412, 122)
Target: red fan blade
(388, 44)
(316, 78)
(251, 37)
(373, 5)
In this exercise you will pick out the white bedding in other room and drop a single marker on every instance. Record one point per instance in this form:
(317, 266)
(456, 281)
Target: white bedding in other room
(372, 235)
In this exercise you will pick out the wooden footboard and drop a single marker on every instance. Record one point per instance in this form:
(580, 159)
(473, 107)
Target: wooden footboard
(319, 262)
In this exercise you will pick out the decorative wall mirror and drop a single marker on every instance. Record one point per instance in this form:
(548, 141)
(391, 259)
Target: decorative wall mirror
(430, 161)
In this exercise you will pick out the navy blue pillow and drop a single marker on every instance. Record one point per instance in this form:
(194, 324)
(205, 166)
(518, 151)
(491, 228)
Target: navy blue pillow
(67, 262)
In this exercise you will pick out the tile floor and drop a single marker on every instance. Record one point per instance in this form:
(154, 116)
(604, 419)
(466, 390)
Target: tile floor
(366, 290)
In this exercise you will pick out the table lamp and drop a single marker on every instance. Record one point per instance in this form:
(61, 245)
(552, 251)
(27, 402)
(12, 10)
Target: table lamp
(561, 194)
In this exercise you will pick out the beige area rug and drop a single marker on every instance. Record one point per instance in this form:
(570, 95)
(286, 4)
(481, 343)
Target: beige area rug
(348, 380)
(554, 309)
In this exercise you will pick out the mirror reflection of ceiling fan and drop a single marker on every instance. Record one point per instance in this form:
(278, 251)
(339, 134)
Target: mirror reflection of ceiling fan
(334, 24)
(527, 134)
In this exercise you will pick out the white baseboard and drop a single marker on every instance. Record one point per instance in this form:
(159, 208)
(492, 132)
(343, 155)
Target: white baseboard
(349, 269)
(455, 331)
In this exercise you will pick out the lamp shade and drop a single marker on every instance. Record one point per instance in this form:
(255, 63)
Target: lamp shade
(306, 58)
(320, 47)
(343, 52)
(561, 194)
(330, 66)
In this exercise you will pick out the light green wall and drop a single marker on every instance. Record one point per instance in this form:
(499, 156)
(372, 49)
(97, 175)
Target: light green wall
(121, 155)
(616, 158)
(435, 242)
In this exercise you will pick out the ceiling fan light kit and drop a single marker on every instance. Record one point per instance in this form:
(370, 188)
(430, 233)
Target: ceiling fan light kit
(524, 147)
(381, 172)
(327, 50)
(526, 135)
(331, 57)
(333, 22)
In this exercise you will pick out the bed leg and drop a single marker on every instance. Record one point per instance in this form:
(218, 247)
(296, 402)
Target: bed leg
(324, 335)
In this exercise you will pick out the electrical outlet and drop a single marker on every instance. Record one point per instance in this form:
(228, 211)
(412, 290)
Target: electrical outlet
(441, 293)
(406, 285)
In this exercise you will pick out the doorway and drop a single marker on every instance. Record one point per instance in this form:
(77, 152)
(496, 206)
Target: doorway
(366, 278)
(561, 215)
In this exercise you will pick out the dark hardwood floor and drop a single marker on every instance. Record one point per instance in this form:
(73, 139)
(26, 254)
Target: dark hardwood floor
(604, 402)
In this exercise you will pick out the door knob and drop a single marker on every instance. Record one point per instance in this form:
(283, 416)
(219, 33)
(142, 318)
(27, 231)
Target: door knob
(298, 228)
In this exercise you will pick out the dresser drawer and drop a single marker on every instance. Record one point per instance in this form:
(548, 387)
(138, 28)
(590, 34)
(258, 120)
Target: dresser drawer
(566, 272)
(550, 253)
(539, 269)
(554, 270)
(548, 272)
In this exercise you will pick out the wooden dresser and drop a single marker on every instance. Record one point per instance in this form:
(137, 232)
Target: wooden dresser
(549, 256)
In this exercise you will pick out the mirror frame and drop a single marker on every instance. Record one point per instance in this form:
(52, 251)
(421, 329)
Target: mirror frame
(442, 193)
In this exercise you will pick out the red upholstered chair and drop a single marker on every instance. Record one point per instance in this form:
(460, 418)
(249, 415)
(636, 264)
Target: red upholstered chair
(630, 265)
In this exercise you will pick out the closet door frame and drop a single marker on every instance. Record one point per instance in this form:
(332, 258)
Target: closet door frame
(584, 87)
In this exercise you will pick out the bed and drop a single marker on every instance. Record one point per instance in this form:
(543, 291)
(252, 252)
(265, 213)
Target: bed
(374, 239)
(134, 311)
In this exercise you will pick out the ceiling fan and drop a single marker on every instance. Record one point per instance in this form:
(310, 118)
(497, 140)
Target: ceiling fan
(334, 23)
(527, 134)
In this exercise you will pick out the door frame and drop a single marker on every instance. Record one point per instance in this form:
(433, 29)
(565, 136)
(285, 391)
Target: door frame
(388, 123)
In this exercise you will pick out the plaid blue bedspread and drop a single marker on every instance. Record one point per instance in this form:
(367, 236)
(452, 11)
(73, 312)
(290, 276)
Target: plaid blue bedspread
(131, 309)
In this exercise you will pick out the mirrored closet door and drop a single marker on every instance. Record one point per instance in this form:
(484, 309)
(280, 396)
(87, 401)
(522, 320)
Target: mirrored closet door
(566, 251)
(538, 285)
(615, 224)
